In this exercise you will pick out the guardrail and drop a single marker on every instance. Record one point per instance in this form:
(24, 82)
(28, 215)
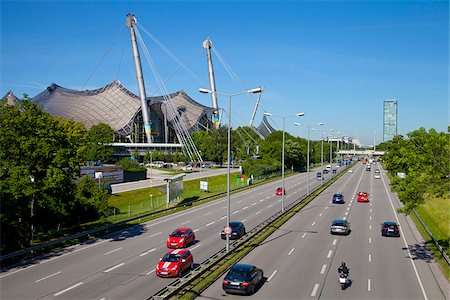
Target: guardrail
(439, 247)
(176, 286)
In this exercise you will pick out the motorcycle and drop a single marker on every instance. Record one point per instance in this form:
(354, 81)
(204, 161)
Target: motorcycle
(344, 280)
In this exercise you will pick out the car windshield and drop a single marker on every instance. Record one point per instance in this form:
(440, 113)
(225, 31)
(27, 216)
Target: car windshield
(337, 196)
(177, 234)
(238, 274)
(171, 257)
(339, 223)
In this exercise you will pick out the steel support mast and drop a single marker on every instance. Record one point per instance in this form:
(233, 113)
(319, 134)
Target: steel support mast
(131, 22)
(207, 44)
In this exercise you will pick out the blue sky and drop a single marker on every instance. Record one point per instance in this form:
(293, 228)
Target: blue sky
(336, 61)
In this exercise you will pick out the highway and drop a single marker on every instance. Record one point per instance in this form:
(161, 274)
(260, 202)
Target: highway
(122, 265)
(300, 260)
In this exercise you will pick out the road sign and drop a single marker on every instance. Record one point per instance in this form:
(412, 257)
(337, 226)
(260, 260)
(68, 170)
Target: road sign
(228, 230)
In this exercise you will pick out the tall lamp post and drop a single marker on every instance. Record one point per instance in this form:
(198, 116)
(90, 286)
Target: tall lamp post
(282, 152)
(307, 167)
(331, 147)
(252, 91)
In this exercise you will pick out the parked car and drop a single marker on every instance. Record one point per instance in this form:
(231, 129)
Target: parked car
(390, 229)
(238, 230)
(340, 227)
(175, 263)
(242, 279)
(319, 176)
(187, 168)
(338, 198)
(180, 238)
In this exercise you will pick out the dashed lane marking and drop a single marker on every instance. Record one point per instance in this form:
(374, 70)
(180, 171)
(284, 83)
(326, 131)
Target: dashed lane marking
(47, 277)
(273, 274)
(113, 251)
(112, 268)
(69, 288)
(314, 291)
(290, 252)
(324, 267)
(147, 252)
(155, 234)
(329, 253)
(334, 242)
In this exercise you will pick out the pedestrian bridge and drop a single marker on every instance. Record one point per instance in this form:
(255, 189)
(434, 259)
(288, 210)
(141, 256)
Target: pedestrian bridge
(361, 152)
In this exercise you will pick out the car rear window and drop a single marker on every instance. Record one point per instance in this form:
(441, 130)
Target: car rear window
(339, 224)
(239, 274)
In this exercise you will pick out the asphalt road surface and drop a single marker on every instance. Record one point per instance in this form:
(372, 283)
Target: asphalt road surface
(122, 265)
(301, 259)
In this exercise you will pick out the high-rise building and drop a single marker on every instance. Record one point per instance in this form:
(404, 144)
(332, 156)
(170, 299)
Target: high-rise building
(389, 119)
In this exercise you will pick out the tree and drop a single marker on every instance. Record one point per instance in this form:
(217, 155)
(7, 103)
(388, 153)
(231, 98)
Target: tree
(97, 144)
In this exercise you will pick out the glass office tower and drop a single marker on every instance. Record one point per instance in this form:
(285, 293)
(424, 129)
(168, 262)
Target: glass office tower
(389, 119)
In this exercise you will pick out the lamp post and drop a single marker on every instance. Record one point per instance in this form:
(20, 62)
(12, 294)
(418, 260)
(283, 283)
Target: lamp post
(331, 147)
(252, 91)
(307, 167)
(282, 152)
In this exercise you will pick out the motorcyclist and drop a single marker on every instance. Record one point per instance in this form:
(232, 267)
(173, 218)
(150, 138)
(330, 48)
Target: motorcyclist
(343, 269)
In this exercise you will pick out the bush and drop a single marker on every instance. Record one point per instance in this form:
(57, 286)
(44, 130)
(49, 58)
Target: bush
(260, 167)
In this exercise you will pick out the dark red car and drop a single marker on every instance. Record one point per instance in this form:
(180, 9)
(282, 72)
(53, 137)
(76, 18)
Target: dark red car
(279, 191)
(180, 238)
(175, 263)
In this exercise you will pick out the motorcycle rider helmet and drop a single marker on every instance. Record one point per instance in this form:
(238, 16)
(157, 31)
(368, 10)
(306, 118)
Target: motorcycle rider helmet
(343, 264)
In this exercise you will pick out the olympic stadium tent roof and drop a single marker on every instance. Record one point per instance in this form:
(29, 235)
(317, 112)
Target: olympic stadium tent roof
(116, 106)
(265, 128)
(11, 99)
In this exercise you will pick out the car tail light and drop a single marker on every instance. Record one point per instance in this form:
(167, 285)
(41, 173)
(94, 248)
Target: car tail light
(385, 228)
(225, 281)
(396, 229)
(245, 283)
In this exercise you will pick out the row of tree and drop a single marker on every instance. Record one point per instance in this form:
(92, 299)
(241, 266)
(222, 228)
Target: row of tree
(40, 159)
(423, 157)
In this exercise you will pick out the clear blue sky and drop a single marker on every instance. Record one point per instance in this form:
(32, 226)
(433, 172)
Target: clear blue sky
(336, 61)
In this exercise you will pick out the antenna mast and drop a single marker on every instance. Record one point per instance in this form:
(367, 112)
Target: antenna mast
(131, 22)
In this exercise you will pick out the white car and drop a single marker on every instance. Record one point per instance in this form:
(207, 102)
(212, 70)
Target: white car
(377, 176)
(350, 171)
(187, 168)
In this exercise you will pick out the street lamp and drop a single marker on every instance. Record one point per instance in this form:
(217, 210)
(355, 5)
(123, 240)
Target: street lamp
(307, 167)
(252, 91)
(331, 147)
(282, 152)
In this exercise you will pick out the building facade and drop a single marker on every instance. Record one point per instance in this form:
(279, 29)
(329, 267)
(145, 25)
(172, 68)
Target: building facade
(390, 119)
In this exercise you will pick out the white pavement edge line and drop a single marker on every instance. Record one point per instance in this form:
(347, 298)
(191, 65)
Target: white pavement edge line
(314, 291)
(274, 272)
(404, 241)
(47, 277)
(112, 268)
(112, 251)
(68, 289)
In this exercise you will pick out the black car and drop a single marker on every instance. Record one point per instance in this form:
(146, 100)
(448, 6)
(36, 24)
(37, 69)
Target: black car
(325, 171)
(390, 229)
(238, 230)
(242, 279)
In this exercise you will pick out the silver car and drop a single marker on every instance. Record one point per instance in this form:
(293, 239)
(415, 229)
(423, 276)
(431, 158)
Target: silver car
(340, 227)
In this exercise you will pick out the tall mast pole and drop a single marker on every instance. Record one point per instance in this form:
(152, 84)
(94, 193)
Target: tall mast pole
(207, 44)
(131, 22)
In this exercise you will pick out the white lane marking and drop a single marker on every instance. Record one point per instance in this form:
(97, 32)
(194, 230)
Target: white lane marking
(184, 223)
(147, 252)
(266, 198)
(313, 223)
(346, 213)
(195, 230)
(245, 207)
(344, 218)
(314, 291)
(370, 227)
(370, 257)
(244, 220)
(210, 223)
(320, 214)
(223, 217)
(370, 240)
(303, 236)
(103, 298)
(368, 285)
(274, 272)
(113, 251)
(270, 205)
(370, 210)
(334, 242)
(370, 204)
(150, 272)
(193, 248)
(326, 207)
(112, 268)
(404, 241)
(235, 212)
(207, 214)
(350, 205)
(370, 217)
(348, 208)
(254, 203)
(329, 253)
(324, 267)
(155, 234)
(68, 289)
(47, 277)
(258, 212)
(290, 252)
(16, 271)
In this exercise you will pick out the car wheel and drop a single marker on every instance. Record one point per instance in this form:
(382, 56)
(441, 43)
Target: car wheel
(252, 290)
(192, 266)
(180, 273)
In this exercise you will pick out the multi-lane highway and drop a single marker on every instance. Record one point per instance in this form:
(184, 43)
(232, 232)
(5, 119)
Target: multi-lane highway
(122, 265)
(300, 260)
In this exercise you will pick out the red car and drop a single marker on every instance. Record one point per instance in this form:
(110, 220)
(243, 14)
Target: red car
(363, 197)
(175, 263)
(279, 191)
(180, 238)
